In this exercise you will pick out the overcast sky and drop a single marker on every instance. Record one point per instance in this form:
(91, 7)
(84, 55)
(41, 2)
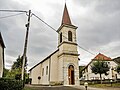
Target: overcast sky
(98, 23)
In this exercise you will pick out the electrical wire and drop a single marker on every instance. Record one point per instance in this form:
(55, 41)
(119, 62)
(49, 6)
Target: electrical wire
(59, 33)
(47, 24)
(42, 21)
(11, 15)
(86, 50)
(13, 11)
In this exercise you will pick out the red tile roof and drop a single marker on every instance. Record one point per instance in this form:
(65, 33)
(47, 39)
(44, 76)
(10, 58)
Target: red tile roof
(66, 18)
(102, 57)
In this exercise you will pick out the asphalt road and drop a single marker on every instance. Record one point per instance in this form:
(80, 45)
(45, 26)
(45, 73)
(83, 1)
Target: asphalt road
(53, 88)
(68, 88)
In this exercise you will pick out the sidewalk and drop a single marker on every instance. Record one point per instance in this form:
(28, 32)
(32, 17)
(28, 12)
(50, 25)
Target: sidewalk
(92, 88)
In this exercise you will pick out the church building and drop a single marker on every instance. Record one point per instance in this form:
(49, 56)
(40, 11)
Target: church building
(60, 67)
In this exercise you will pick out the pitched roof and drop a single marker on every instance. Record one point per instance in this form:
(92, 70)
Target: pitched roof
(66, 17)
(1, 41)
(117, 60)
(102, 57)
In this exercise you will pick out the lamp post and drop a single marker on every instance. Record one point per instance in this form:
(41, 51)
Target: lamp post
(39, 79)
(86, 85)
(111, 82)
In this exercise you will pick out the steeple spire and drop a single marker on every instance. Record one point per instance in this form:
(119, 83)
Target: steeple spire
(66, 18)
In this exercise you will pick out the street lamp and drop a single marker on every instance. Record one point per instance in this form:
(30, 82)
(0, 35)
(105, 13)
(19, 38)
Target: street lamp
(111, 82)
(39, 79)
(86, 85)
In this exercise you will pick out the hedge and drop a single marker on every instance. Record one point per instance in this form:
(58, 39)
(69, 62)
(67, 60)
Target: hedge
(106, 81)
(10, 84)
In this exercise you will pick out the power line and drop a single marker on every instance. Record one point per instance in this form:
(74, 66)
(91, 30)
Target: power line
(44, 22)
(47, 24)
(86, 50)
(13, 11)
(11, 15)
(59, 33)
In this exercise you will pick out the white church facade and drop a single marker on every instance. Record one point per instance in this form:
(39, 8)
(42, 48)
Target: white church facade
(60, 67)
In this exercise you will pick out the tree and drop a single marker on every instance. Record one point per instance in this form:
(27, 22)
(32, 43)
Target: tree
(80, 71)
(118, 69)
(5, 72)
(100, 67)
(18, 63)
(15, 72)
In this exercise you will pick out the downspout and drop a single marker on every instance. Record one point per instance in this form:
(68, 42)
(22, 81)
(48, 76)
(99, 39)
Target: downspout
(3, 63)
(63, 71)
(49, 70)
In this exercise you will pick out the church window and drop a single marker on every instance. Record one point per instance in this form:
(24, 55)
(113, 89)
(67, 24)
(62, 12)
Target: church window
(69, 36)
(60, 37)
(43, 72)
(46, 70)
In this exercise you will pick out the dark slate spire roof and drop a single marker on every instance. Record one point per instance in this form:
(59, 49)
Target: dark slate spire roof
(66, 18)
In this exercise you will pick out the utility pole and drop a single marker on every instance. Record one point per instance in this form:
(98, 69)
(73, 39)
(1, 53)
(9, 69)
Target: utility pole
(25, 45)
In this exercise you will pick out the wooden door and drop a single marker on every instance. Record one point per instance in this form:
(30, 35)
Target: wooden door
(71, 75)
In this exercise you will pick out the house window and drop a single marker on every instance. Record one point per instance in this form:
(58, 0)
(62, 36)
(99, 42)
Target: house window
(46, 70)
(43, 72)
(69, 36)
(60, 37)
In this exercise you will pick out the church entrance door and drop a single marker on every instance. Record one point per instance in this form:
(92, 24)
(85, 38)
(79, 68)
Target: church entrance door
(71, 75)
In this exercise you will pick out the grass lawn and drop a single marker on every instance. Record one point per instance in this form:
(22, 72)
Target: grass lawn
(106, 85)
(31, 88)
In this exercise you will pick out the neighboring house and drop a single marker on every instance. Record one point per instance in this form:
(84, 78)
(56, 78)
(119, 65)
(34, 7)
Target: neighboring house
(60, 67)
(117, 60)
(2, 46)
(112, 74)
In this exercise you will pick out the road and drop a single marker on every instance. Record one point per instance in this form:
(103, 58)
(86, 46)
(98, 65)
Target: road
(68, 88)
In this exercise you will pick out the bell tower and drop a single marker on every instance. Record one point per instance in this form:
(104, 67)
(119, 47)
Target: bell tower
(68, 54)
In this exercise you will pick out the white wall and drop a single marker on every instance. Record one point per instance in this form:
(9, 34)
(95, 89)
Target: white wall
(38, 71)
(1, 61)
(35, 73)
(54, 68)
(45, 77)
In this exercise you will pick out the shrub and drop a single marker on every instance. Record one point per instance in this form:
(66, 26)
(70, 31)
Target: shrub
(56, 83)
(10, 84)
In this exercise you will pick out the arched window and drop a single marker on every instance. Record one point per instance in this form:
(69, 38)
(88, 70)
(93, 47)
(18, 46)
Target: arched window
(69, 36)
(60, 37)
(46, 70)
(42, 71)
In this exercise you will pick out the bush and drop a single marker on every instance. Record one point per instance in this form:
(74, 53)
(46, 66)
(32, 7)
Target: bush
(10, 84)
(56, 83)
(106, 81)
